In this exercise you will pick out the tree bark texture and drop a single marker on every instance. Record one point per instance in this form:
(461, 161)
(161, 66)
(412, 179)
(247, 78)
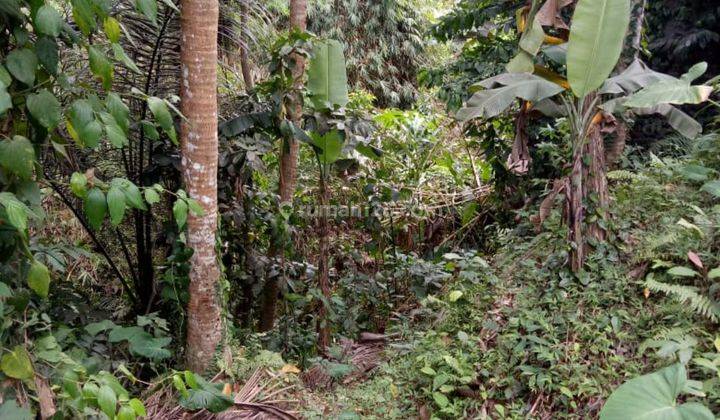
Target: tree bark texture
(323, 273)
(633, 39)
(245, 64)
(289, 151)
(199, 21)
(588, 194)
(288, 160)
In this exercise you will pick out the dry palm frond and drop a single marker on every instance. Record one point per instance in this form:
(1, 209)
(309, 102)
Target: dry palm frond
(266, 395)
(364, 356)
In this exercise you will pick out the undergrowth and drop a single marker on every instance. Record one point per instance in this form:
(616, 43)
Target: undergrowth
(516, 335)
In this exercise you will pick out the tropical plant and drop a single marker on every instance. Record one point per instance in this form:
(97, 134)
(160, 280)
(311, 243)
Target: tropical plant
(382, 42)
(327, 85)
(655, 396)
(588, 99)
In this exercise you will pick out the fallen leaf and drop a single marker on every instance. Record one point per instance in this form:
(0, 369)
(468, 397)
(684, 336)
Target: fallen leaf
(290, 369)
(695, 259)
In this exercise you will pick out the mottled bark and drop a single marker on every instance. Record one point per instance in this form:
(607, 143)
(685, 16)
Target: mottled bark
(588, 195)
(519, 160)
(633, 39)
(199, 20)
(323, 273)
(245, 64)
(597, 195)
(575, 212)
(288, 159)
(289, 151)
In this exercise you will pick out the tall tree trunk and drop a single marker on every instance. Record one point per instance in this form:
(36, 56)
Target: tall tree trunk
(289, 152)
(323, 273)
(245, 64)
(198, 53)
(633, 39)
(288, 160)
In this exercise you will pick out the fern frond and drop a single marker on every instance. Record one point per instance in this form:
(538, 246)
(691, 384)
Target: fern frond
(624, 175)
(689, 295)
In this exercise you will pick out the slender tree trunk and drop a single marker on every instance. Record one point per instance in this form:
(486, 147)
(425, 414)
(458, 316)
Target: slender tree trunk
(323, 273)
(575, 211)
(198, 50)
(245, 64)
(289, 152)
(633, 39)
(288, 160)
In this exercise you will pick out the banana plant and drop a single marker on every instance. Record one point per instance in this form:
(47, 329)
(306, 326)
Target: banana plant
(327, 88)
(589, 98)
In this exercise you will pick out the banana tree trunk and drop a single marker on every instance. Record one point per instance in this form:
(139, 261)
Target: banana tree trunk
(198, 53)
(588, 199)
(323, 274)
(288, 161)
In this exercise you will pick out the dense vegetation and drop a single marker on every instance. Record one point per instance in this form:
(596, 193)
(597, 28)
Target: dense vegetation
(359, 209)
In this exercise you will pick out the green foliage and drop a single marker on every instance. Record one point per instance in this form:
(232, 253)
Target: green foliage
(197, 394)
(654, 395)
(596, 40)
(327, 78)
(383, 45)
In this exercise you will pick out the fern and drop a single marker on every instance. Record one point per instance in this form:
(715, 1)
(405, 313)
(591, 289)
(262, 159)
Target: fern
(624, 175)
(689, 295)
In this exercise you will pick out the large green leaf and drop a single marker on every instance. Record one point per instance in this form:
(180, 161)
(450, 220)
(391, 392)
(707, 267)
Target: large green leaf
(327, 77)
(116, 205)
(48, 21)
(596, 40)
(47, 53)
(205, 395)
(680, 121)
(652, 397)
(635, 77)
(151, 347)
(38, 279)
(673, 91)
(18, 156)
(107, 400)
(16, 364)
(328, 146)
(84, 15)
(101, 66)
(117, 108)
(95, 207)
(10, 409)
(162, 115)
(17, 212)
(5, 99)
(45, 108)
(492, 102)
(22, 64)
(148, 8)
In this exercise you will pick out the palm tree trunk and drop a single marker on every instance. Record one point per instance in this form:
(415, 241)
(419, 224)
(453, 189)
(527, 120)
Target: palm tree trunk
(288, 160)
(245, 64)
(289, 153)
(199, 21)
